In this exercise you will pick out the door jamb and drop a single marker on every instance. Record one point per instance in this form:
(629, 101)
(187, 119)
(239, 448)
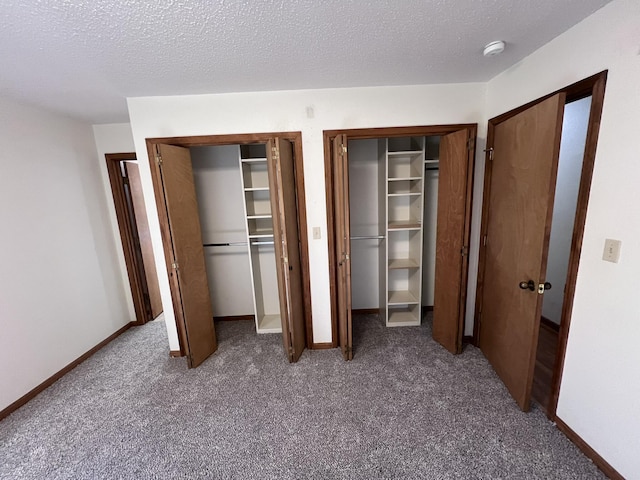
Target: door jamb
(238, 139)
(593, 86)
(127, 235)
(360, 134)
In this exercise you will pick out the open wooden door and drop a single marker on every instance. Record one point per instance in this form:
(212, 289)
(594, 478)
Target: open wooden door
(522, 166)
(144, 237)
(287, 245)
(455, 181)
(343, 244)
(186, 265)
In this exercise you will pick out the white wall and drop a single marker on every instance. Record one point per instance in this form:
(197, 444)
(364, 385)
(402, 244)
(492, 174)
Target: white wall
(60, 289)
(115, 138)
(289, 111)
(601, 381)
(574, 136)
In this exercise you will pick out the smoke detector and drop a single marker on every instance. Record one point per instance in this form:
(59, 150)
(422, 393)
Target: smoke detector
(494, 48)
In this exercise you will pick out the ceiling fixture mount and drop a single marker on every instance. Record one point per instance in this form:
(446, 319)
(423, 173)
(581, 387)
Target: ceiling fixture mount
(494, 48)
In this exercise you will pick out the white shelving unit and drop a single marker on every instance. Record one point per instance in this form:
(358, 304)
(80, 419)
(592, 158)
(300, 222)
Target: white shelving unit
(404, 160)
(259, 223)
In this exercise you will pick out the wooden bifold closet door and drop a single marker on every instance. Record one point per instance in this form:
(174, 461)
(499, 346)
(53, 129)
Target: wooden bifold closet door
(452, 236)
(186, 265)
(343, 244)
(287, 245)
(185, 254)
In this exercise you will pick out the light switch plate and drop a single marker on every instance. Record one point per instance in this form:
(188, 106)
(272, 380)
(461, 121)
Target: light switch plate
(611, 250)
(316, 233)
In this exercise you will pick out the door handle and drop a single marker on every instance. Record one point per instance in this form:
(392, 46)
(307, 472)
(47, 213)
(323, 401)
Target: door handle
(530, 285)
(547, 286)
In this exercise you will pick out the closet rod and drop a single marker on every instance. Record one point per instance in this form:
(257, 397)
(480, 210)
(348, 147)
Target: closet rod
(230, 244)
(235, 244)
(369, 237)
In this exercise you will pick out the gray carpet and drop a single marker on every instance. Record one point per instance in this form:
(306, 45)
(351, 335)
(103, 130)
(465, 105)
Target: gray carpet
(403, 408)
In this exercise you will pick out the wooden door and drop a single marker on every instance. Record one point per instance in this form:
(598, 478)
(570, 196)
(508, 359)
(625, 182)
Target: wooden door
(186, 266)
(522, 170)
(455, 179)
(144, 237)
(284, 212)
(343, 244)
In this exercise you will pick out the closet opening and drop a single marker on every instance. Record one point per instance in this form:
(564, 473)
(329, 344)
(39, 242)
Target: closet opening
(232, 215)
(399, 243)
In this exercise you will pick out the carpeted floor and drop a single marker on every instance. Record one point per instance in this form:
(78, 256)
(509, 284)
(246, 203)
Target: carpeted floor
(403, 408)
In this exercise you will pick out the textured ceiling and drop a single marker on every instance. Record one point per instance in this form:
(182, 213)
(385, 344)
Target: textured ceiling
(83, 58)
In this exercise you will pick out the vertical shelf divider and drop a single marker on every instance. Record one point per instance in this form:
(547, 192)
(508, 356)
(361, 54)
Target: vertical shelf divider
(404, 194)
(259, 229)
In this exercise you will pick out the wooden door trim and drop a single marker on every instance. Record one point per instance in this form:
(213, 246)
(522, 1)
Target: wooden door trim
(368, 133)
(240, 139)
(593, 86)
(126, 234)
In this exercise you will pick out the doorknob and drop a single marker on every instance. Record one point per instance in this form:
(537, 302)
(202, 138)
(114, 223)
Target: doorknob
(530, 285)
(547, 286)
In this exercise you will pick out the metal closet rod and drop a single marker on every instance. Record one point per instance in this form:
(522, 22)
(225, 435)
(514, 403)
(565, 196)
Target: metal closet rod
(235, 244)
(369, 237)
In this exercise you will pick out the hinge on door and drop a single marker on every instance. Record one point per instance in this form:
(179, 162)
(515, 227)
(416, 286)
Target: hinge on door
(175, 265)
(470, 142)
(490, 150)
(465, 251)
(344, 148)
(158, 159)
(274, 151)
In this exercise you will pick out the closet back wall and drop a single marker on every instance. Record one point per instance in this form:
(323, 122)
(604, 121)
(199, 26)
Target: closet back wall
(310, 112)
(216, 173)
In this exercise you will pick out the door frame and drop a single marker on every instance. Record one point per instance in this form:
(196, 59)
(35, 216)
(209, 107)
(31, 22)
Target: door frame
(593, 86)
(360, 134)
(135, 268)
(236, 139)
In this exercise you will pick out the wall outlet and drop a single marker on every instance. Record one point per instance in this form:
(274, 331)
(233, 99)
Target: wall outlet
(611, 250)
(316, 233)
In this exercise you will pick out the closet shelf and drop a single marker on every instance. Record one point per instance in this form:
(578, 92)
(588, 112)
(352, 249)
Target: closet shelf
(403, 263)
(402, 297)
(404, 153)
(432, 160)
(405, 225)
(405, 194)
(269, 324)
(403, 318)
(254, 160)
(400, 179)
(261, 235)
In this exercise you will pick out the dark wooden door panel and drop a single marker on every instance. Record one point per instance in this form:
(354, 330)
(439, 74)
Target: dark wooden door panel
(142, 224)
(522, 186)
(454, 180)
(287, 245)
(193, 297)
(343, 244)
